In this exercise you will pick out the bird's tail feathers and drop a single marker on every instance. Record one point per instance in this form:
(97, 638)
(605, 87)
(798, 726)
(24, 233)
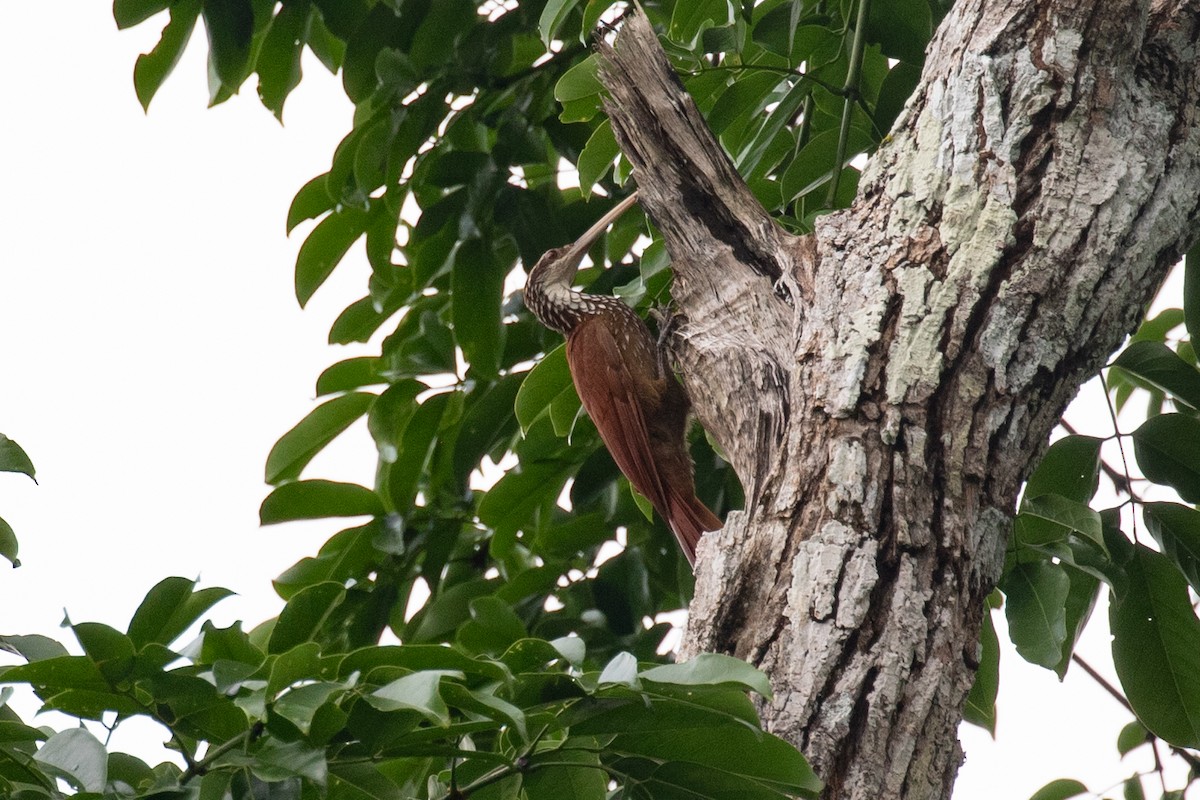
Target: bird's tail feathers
(689, 519)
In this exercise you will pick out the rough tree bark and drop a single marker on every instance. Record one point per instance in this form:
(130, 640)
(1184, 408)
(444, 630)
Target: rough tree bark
(883, 386)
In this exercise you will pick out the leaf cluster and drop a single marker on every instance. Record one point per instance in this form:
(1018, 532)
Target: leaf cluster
(531, 658)
(270, 712)
(1063, 553)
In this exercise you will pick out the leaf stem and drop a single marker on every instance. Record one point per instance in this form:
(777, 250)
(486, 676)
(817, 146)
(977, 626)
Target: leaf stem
(198, 768)
(1121, 482)
(850, 93)
(1112, 413)
(804, 76)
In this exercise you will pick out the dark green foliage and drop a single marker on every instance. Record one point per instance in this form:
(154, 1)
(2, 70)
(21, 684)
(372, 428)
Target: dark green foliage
(1063, 552)
(13, 458)
(530, 670)
(300, 712)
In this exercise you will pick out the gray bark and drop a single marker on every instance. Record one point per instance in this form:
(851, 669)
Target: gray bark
(883, 386)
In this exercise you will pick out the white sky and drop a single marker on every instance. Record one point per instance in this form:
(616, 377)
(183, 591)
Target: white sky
(151, 352)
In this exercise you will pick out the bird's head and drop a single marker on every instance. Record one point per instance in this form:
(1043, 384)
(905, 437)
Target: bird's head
(559, 264)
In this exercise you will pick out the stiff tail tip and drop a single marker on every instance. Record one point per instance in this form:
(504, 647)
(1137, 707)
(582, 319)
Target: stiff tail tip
(689, 520)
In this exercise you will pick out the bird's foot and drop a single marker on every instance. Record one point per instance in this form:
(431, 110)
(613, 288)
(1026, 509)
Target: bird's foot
(669, 322)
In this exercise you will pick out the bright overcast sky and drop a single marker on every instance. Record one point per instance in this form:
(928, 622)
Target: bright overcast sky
(151, 352)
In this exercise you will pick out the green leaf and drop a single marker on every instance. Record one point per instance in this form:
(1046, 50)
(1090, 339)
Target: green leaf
(169, 609)
(980, 708)
(1036, 611)
(1156, 648)
(711, 669)
(32, 647)
(352, 373)
(591, 17)
(230, 26)
(325, 247)
(279, 59)
(1159, 366)
(76, 756)
(109, 648)
(899, 84)
(8, 543)
(597, 156)
(1176, 528)
(276, 761)
(579, 82)
(621, 669)
(642, 503)
(1132, 736)
(487, 704)
(487, 425)
(1166, 449)
(1040, 516)
(1191, 292)
(61, 672)
(1060, 789)
(753, 151)
(416, 658)
(304, 615)
(301, 662)
(673, 731)
(548, 383)
(310, 202)
(229, 644)
(901, 28)
(359, 320)
(493, 627)
(814, 165)
(689, 20)
(416, 692)
(299, 705)
(1070, 468)
(390, 415)
(348, 554)
(1156, 328)
(1081, 601)
(14, 459)
(297, 447)
(128, 13)
(581, 110)
(574, 774)
(509, 504)
(477, 293)
(579, 534)
(152, 69)
(553, 16)
(318, 499)
(676, 780)
(404, 476)
(742, 99)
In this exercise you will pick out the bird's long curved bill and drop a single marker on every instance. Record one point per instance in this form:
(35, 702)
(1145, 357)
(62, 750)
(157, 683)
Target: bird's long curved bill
(585, 241)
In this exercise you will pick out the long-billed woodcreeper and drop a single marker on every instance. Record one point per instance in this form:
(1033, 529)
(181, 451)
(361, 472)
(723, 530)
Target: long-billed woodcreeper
(625, 384)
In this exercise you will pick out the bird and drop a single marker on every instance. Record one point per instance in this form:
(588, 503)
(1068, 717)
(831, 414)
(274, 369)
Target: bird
(625, 384)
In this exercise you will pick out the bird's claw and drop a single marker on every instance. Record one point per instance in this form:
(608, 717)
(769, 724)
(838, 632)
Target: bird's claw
(669, 322)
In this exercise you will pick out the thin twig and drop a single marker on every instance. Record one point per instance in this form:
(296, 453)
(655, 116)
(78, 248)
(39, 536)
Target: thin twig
(199, 768)
(1100, 679)
(1112, 412)
(1158, 765)
(1120, 482)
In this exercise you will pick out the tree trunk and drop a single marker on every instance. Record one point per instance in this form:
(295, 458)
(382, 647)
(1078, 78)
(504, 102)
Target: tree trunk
(884, 386)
